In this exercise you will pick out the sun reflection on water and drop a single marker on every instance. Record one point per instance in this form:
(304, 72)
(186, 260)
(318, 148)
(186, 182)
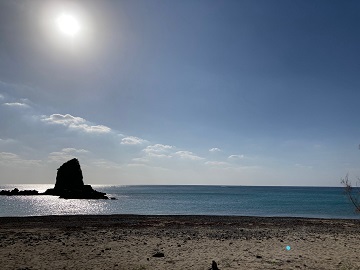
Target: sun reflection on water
(49, 205)
(43, 205)
(52, 205)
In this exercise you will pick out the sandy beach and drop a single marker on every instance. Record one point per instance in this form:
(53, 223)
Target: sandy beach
(181, 242)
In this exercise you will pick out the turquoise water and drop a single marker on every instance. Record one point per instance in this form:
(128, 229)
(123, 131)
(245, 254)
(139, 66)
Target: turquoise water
(319, 202)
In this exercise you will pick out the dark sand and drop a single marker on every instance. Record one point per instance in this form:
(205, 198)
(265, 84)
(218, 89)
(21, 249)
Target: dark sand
(187, 242)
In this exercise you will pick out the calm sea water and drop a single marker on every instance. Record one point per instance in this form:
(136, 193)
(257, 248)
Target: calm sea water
(319, 202)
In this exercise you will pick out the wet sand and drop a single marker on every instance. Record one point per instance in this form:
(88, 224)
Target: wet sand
(187, 242)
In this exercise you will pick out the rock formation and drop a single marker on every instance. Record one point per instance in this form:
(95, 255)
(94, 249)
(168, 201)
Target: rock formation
(69, 176)
(69, 183)
(16, 192)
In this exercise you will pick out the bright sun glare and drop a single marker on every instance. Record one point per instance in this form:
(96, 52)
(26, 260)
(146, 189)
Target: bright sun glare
(68, 24)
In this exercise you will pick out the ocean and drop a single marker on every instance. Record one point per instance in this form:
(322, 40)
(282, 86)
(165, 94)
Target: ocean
(312, 202)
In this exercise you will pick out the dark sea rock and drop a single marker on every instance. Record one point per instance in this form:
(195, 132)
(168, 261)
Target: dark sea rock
(16, 192)
(86, 192)
(69, 183)
(69, 176)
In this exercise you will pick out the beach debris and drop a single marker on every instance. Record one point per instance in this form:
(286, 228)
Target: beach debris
(159, 255)
(69, 183)
(214, 266)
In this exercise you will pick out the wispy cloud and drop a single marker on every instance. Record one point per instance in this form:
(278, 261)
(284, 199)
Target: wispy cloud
(157, 152)
(75, 123)
(217, 163)
(66, 154)
(96, 129)
(16, 105)
(105, 164)
(215, 149)
(7, 141)
(65, 120)
(14, 160)
(236, 156)
(188, 155)
(131, 140)
(158, 148)
(73, 150)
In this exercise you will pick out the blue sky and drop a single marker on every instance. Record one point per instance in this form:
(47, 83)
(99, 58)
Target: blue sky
(181, 92)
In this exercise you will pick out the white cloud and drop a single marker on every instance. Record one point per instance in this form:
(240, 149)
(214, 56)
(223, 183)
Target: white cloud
(155, 152)
(16, 105)
(106, 164)
(236, 156)
(11, 159)
(141, 160)
(188, 155)
(147, 167)
(158, 148)
(66, 154)
(65, 120)
(2, 96)
(95, 129)
(73, 150)
(215, 149)
(217, 163)
(131, 140)
(77, 123)
(159, 155)
(7, 156)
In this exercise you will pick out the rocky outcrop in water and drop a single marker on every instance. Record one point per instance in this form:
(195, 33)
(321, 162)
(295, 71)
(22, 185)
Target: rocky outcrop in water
(16, 192)
(69, 183)
(69, 176)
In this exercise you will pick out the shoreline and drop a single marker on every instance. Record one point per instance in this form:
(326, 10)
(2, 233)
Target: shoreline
(117, 219)
(187, 242)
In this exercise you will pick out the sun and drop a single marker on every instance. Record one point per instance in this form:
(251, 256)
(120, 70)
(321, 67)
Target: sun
(68, 24)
